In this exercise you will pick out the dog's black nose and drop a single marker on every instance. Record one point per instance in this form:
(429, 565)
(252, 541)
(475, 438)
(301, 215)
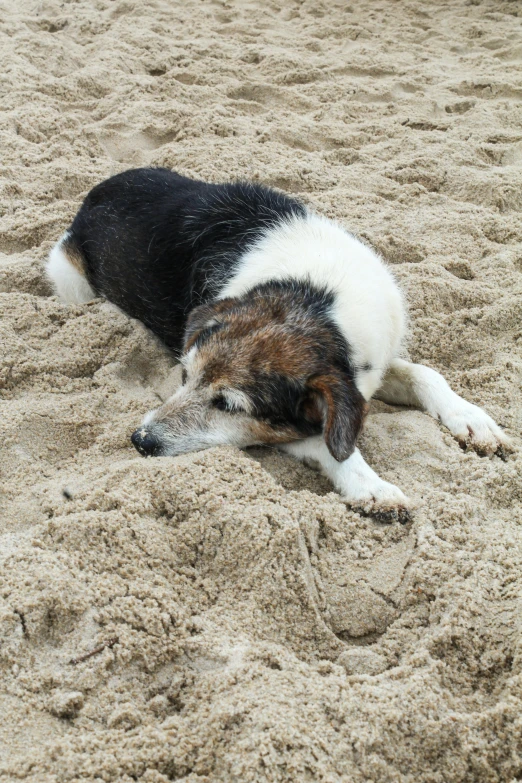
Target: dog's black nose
(145, 442)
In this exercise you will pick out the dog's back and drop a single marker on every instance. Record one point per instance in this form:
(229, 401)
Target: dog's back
(158, 244)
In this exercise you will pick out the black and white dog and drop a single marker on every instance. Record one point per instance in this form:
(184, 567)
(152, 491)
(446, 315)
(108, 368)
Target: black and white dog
(286, 325)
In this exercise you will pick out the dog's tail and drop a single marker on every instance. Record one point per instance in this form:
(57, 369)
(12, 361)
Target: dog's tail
(65, 268)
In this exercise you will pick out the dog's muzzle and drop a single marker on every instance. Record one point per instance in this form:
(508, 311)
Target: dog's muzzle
(145, 442)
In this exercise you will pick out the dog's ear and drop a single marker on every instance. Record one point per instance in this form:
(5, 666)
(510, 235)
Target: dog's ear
(200, 318)
(203, 321)
(334, 399)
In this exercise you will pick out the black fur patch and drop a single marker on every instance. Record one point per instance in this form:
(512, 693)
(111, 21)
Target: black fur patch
(158, 244)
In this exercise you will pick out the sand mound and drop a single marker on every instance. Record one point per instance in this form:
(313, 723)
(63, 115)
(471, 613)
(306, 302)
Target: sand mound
(243, 624)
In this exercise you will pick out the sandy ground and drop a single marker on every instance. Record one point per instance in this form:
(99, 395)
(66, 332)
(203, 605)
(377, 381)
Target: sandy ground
(245, 625)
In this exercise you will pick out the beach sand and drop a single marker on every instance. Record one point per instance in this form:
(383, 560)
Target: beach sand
(244, 624)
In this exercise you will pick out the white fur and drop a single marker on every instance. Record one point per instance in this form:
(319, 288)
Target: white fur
(422, 387)
(368, 306)
(189, 359)
(357, 483)
(69, 284)
(237, 400)
(148, 418)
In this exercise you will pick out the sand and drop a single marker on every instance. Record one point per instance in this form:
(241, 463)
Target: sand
(244, 624)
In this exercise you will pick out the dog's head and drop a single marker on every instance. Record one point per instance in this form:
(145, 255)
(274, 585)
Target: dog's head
(258, 370)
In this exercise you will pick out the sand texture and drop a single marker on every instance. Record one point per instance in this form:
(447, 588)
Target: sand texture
(244, 624)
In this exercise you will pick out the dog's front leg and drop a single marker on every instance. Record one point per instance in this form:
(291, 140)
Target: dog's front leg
(357, 483)
(422, 387)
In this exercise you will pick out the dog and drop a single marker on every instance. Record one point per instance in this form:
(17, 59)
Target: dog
(285, 324)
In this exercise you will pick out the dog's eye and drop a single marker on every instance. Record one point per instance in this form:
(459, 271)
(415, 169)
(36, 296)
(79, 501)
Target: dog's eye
(222, 404)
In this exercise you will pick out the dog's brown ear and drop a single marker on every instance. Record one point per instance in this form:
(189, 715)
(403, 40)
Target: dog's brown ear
(203, 320)
(335, 397)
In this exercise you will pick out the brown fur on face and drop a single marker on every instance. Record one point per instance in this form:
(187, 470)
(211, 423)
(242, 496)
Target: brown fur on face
(286, 356)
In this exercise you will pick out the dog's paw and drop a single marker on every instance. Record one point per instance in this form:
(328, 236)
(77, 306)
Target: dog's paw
(474, 429)
(399, 514)
(380, 500)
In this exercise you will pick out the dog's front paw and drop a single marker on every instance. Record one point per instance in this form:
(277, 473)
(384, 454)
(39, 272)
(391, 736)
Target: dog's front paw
(378, 499)
(399, 514)
(473, 428)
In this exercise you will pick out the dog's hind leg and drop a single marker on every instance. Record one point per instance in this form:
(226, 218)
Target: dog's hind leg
(421, 387)
(65, 269)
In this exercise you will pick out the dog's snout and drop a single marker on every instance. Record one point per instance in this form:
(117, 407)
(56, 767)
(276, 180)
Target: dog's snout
(145, 442)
